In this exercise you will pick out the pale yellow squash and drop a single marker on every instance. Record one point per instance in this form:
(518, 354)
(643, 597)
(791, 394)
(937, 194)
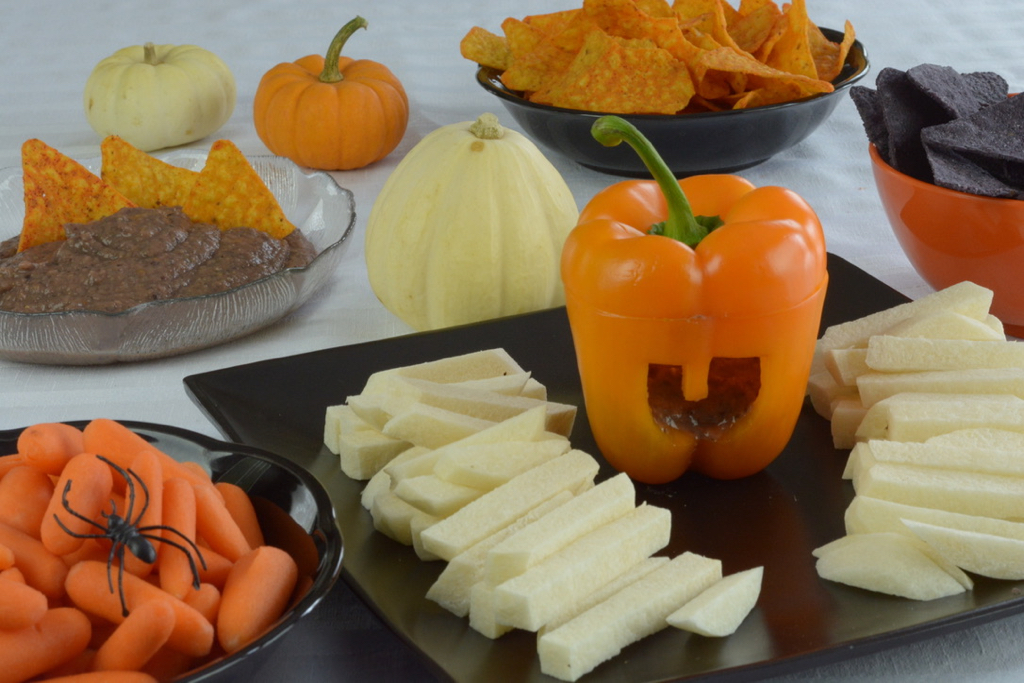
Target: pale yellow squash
(469, 227)
(157, 96)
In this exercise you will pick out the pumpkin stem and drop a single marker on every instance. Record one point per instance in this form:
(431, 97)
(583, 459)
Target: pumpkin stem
(331, 72)
(149, 53)
(487, 127)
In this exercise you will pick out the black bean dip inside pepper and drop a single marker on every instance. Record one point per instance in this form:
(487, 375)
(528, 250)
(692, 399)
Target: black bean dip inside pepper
(138, 255)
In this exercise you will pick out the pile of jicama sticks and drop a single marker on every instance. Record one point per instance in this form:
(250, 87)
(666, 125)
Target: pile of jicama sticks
(61, 612)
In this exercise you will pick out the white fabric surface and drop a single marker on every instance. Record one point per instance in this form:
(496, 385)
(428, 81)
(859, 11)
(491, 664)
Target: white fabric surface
(48, 48)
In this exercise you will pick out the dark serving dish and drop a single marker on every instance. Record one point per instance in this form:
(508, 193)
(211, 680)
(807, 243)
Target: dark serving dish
(712, 142)
(295, 513)
(773, 519)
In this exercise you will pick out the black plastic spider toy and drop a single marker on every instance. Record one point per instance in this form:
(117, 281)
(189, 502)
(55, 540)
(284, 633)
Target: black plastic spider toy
(125, 532)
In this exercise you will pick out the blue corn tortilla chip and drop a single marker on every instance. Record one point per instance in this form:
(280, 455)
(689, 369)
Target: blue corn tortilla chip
(870, 109)
(961, 131)
(957, 94)
(906, 112)
(989, 87)
(955, 172)
(992, 138)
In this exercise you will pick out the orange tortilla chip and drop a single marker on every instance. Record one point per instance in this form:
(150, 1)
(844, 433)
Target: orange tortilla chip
(781, 89)
(720, 74)
(708, 16)
(625, 19)
(59, 190)
(522, 38)
(44, 218)
(530, 72)
(656, 8)
(773, 85)
(574, 33)
(486, 49)
(644, 56)
(749, 6)
(792, 51)
(145, 180)
(229, 194)
(615, 76)
(552, 22)
(750, 31)
(849, 36)
(774, 35)
(679, 46)
(536, 58)
(829, 57)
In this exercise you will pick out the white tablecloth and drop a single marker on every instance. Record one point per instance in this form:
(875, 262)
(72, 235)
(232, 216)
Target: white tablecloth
(48, 48)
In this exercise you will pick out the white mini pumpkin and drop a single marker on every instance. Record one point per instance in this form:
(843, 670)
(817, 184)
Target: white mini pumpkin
(157, 96)
(469, 227)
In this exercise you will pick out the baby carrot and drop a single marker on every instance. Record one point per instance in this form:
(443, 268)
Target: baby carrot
(205, 600)
(25, 493)
(137, 638)
(42, 569)
(101, 630)
(215, 524)
(61, 635)
(168, 664)
(179, 512)
(9, 462)
(91, 549)
(76, 665)
(198, 473)
(12, 574)
(240, 506)
(120, 444)
(20, 605)
(87, 587)
(256, 594)
(48, 446)
(6, 557)
(146, 505)
(86, 483)
(105, 677)
(217, 567)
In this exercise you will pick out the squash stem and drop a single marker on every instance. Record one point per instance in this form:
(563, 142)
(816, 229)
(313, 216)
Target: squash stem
(149, 53)
(331, 72)
(681, 224)
(487, 127)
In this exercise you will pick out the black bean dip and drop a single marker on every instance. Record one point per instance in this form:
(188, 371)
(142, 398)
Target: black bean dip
(139, 255)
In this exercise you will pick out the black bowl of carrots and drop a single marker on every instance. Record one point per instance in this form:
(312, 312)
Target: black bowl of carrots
(141, 547)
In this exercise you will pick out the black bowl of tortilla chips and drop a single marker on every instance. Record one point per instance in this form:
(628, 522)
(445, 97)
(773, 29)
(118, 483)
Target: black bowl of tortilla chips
(691, 142)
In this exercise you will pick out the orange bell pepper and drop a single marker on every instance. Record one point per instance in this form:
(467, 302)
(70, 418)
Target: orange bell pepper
(694, 334)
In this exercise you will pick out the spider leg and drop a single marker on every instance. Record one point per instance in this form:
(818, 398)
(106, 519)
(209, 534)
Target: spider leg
(111, 556)
(130, 495)
(130, 478)
(145, 501)
(120, 580)
(78, 535)
(189, 541)
(73, 513)
(196, 582)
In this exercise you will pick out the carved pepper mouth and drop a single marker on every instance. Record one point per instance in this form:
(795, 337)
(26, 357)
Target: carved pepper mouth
(733, 386)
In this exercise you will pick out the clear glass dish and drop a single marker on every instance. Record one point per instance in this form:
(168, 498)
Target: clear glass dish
(313, 201)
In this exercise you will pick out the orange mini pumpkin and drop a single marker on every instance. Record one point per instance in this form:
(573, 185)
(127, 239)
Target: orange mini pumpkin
(331, 113)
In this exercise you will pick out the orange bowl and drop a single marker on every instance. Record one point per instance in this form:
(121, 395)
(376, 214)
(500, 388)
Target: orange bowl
(951, 236)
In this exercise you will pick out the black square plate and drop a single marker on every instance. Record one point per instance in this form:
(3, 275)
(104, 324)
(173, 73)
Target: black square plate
(773, 519)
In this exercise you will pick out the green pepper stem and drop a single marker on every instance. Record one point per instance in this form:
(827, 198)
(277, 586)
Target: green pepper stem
(681, 224)
(331, 73)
